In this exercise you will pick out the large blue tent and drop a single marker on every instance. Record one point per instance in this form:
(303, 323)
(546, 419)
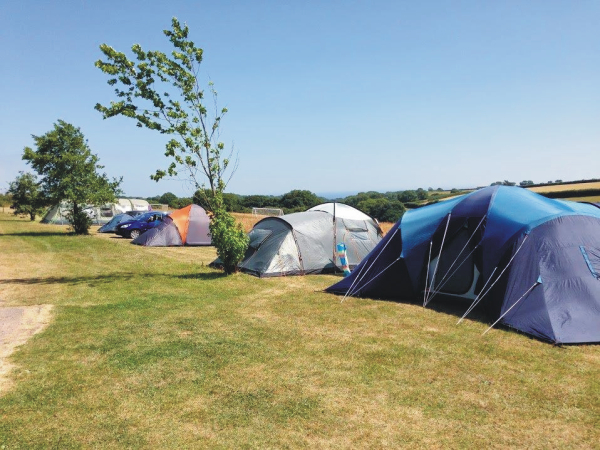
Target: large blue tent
(529, 262)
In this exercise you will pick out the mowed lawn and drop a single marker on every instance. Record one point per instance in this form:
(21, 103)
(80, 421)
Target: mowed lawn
(150, 348)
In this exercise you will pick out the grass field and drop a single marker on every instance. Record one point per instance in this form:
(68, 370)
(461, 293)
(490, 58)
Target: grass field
(150, 348)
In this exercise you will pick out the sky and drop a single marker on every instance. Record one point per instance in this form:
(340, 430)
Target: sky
(336, 96)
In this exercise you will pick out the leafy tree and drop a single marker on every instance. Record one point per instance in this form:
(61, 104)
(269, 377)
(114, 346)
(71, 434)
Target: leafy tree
(69, 173)
(168, 198)
(299, 200)
(260, 201)
(526, 183)
(558, 181)
(155, 199)
(382, 209)
(26, 195)
(354, 200)
(503, 183)
(181, 202)
(5, 200)
(232, 202)
(164, 93)
(421, 194)
(408, 196)
(393, 213)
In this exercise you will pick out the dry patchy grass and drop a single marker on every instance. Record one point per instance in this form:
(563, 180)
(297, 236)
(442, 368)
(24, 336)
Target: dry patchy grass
(247, 220)
(163, 352)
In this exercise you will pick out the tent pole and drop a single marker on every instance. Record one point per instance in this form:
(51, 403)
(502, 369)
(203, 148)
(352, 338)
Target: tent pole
(499, 276)
(439, 256)
(513, 305)
(474, 304)
(427, 276)
(334, 238)
(389, 265)
(444, 280)
(358, 280)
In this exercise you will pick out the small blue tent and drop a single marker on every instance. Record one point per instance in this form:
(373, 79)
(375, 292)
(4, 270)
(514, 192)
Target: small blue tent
(530, 262)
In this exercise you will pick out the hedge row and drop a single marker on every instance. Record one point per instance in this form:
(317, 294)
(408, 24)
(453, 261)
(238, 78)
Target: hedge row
(572, 193)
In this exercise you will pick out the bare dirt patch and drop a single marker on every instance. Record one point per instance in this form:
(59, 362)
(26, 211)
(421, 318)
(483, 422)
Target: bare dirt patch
(17, 325)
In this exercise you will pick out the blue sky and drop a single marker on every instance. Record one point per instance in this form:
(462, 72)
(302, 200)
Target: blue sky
(327, 96)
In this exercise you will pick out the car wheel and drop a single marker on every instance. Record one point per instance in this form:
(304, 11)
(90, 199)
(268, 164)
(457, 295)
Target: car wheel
(134, 234)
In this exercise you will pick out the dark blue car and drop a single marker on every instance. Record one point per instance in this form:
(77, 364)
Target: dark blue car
(133, 228)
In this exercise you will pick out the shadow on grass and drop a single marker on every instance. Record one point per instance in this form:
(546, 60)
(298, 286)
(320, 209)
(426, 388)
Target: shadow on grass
(109, 278)
(91, 280)
(38, 234)
(448, 305)
(457, 307)
(202, 276)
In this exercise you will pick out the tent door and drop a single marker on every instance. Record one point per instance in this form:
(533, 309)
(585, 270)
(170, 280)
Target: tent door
(457, 273)
(470, 293)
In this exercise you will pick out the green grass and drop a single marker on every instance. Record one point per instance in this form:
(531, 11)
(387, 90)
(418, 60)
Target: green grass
(150, 348)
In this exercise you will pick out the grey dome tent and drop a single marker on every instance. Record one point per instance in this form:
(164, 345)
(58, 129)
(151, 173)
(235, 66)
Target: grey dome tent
(304, 243)
(185, 226)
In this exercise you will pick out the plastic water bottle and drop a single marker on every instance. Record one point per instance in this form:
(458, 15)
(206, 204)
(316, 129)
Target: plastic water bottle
(341, 249)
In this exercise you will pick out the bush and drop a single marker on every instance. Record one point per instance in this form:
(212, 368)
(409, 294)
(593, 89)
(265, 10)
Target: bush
(229, 239)
(408, 196)
(572, 193)
(80, 221)
(299, 200)
(382, 209)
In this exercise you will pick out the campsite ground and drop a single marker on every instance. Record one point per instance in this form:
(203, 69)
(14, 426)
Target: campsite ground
(149, 347)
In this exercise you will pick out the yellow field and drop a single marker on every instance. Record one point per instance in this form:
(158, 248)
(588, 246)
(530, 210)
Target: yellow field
(247, 220)
(566, 187)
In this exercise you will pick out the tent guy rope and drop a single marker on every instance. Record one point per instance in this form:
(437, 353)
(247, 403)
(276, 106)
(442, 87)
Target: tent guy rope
(358, 280)
(537, 283)
(496, 280)
(438, 260)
